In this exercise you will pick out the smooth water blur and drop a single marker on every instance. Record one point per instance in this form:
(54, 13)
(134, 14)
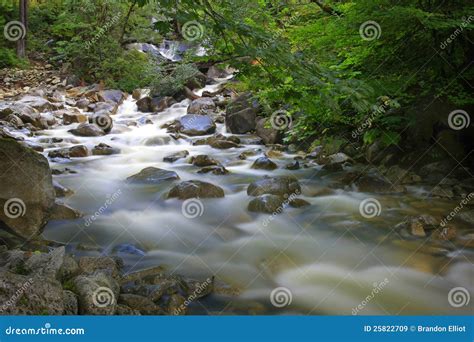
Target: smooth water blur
(327, 255)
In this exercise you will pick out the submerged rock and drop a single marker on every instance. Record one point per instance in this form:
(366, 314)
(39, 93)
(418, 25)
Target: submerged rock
(195, 189)
(176, 156)
(267, 204)
(104, 150)
(281, 186)
(153, 175)
(203, 160)
(87, 130)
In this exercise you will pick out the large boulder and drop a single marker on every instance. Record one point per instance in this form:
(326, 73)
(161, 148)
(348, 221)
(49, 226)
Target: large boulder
(26, 192)
(195, 125)
(97, 293)
(203, 105)
(203, 160)
(241, 114)
(153, 175)
(195, 189)
(280, 186)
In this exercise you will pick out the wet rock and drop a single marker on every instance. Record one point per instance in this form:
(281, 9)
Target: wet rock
(215, 170)
(62, 191)
(267, 204)
(397, 175)
(263, 163)
(250, 153)
(195, 189)
(63, 212)
(87, 130)
(137, 94)
(298, 203)
(153, 175)
(128, 249)
(223, 144)
(447, 233)
(155, 104)
(293, 165)
(158, 141)
(142, 304)
(70, 118)
(123, 310)
(267, 133)
(467, 216)
(376, 184)
(195, 125)
(26, 192)
(79, 151)
(104, 150)
(280, 186)
(176, 156)
(203, 160)
(203, 106)
(442, 191)
(241, 114)
(15, 121)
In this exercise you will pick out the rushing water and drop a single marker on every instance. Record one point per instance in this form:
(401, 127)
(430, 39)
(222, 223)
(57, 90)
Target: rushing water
(327, 255)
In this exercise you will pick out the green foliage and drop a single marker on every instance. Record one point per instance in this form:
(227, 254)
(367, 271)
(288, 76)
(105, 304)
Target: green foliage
(174, 82)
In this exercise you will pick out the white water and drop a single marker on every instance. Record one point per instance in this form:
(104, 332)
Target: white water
(325, 254)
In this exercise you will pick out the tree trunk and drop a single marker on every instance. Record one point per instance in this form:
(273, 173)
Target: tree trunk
(21, 43)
